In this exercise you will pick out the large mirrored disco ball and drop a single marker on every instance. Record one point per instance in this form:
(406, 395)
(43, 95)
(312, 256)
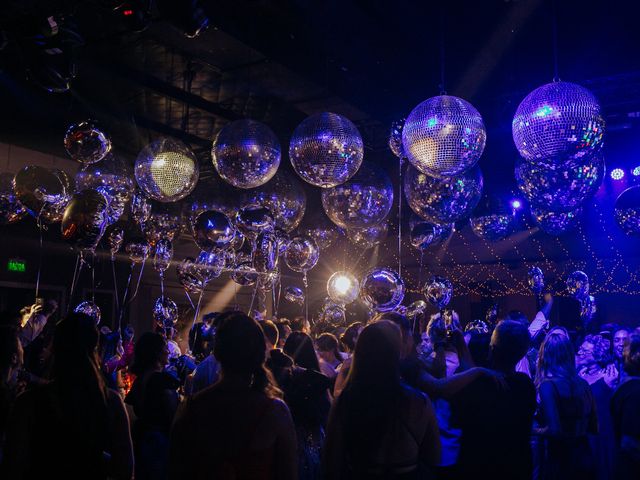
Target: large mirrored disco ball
(343, 288)
(556, 223)
(443, 200)
(90, 309)
(558, 122)
(368, 237)
(438, 291)
(382, 289)
(112, 177)
(444, 136)
(362, 201)
(578, 284)
(35, 187)
(86, 143)
(395, 138)
(85, 219)
(494, 219)
(627, 211)
(425, 234)
(11, 210)
(326, 149)
(560, 189)
(167, 170)
(164, 222)
(285, 198)
(302, 254)
(246, 153)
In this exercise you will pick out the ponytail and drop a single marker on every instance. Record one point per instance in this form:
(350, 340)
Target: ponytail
(264, 382)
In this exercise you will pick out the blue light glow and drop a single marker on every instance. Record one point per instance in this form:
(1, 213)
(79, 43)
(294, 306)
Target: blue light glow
(636, 171)
(516, 204)
(617, 174)
(432, 122)
(544, 111)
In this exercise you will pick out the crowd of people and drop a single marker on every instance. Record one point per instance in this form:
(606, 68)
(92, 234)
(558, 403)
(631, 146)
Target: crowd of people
(253, 398)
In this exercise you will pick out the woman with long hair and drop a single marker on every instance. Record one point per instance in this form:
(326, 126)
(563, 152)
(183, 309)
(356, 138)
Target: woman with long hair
(239, 428)
(567, 411)
(73, 427)
(330, 356)
(348, 340)
(379, 427)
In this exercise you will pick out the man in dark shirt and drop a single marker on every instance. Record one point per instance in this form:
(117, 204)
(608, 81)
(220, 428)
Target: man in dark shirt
(496, 417)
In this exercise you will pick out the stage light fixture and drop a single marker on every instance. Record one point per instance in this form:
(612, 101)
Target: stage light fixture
(617, 174)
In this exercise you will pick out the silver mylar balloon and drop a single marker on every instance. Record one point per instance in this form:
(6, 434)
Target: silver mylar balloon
(326, 150)
(556, 223)
(266, 252)
(425, 234)
(165, 312)
(588, 308)
(282, 240)
(244, 274)
(416, 308)
(368, 237)
(493, 227)
(137, 250)
(333, 314)
(164, 222)
(86, 143)
(85, 219)
(321, 229)
(112, 177)
(35, 187)
(444, 200)
(167, 170)
(246, 153)
(627, 210)
(213, 229)
(140, 208)
(188, 276)
(535, 279)
(90, 309)
(438, 291)
(294, 295)
(444, 136)
(209, 265)
(302, 254)
(343, 288)
(578, 284)
(115, 238)
(253, 220)
(11, 210)
(395, 138)
(362, 201)
(162, 255)
(557, 122)
(563, 188)
(53, 212)
(382, 289)
(285, 198)
(267, 281)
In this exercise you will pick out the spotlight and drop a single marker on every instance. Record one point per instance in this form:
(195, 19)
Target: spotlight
(516, 204)
(617, 174)
(636, 171)
(343, 288)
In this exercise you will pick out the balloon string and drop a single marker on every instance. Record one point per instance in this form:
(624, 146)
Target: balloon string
(554, 33)
(235, 296)
(420, 270)
(93, 276)
(253, 297)
(115, 282)
(189, 298)
(162, 285)
(305, 282)
(76, 275)
(139, 279)
(400, 216)
(124, 297)
(40, 228)
(197, 311)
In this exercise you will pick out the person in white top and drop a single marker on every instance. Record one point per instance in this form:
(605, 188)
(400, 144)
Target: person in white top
(38, 318)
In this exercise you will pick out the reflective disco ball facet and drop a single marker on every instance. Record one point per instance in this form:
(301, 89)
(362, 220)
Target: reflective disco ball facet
(343, 288)
(368, 237)
(86, 143)
(90, 309)
(627, 210)
(443, 200)
(556, 123)
(560, 189)
(167, 170)
(362, 201)
(556, 223)
(382, 289)
(326, 150)
(246, 153)
(444, 136)
(11, 210)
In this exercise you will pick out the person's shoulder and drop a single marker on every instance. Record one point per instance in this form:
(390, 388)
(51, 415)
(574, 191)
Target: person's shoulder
(628, 388)
(163, 380)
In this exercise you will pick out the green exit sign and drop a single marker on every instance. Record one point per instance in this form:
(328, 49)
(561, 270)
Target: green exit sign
(15, 265)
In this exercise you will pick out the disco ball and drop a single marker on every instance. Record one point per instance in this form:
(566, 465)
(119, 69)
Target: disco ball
(164, 222)
(578, 284)
(302, 254)
(343, 288)
(326, 150)
(443, 200)
(444, 136)
(556, 223)
(438, 291)
(425, 234)
(627, 210)
(165, 312)
(395, 138)
(285, 198)
(11, 210)
(86, 143)
(368, 237)
(112, 177)
(382, 289)
(246, 153)
(556, 123)
(560, 189)
(363, 201)
(167, 170)
(90, 309)
(322, 230)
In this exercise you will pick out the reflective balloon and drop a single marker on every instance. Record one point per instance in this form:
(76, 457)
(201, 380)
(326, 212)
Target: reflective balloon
(493, 227)
(244, 274)
(444, 136)
(322, 230)
(382, 289)
(285, 198)
(213, 194)
(246, 153)
(425, 234)
(343, 288)
(167, 170)
(162, 255)
(53, 212)
(209, 265)
(362, 201)
(268, 281)
(326, 150)
(578, 284)
(115, 238)
(416, 308)
(438, 291)
(253, 220)
(188, 276)
(11, 210)
(294, 295)
(282, 240)
(137, 250)
(368, 237)
(212, 229)
(35, 187)
(86, 143)
(395, 138)
(302, 254)
(588, 308)
(535, 279)
(266, 252)
(140, 208)
(560, 189)
(165, 312)
(556, 223)
(333, 314)
(85, 219)
(90, 309)
(164, 222)
(477, 326)
(444, 200)
(112, 177)
(627, 210)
